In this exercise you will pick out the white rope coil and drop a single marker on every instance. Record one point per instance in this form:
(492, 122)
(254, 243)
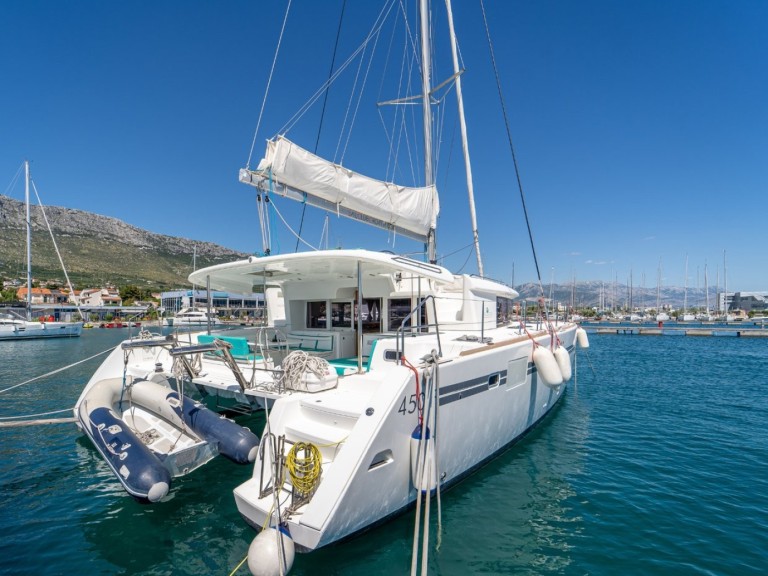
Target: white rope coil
(296, 364)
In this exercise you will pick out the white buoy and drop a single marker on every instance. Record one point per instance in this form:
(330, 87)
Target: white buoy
(266, 551)
(564, 362)
(546, 366)
(581, 338)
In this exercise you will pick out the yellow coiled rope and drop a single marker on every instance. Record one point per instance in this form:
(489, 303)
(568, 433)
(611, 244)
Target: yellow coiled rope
(305, 464)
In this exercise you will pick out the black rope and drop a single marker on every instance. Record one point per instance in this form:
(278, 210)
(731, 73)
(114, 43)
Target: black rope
(322, 113)
(511, 147)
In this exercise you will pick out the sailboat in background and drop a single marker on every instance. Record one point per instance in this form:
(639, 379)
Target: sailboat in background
(729, 314)
(705, 316)
(661, 316)
(15, 326)
(686, 316)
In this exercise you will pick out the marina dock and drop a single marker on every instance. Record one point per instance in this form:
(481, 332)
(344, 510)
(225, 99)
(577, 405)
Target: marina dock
(638, 330)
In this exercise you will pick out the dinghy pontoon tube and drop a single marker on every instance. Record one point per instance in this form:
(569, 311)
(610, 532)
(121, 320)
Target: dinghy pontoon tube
(235, 442)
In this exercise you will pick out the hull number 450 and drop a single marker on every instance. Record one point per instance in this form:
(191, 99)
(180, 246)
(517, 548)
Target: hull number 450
(409, 404)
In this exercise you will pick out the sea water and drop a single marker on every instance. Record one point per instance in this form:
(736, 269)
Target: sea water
(655, 462)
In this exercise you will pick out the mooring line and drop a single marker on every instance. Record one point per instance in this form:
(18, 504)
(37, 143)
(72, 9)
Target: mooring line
(34, 415)
(14, 423)
(57, 370)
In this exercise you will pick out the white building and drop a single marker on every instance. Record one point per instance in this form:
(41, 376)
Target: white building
(100, 297)
(173, 301)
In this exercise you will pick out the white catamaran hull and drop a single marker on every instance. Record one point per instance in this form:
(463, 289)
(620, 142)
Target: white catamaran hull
(487, 400)
(490, 394)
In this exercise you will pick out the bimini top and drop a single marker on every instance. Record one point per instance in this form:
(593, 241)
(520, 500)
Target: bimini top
(245, 276)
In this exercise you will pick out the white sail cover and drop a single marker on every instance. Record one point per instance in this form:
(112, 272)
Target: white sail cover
(289, 170)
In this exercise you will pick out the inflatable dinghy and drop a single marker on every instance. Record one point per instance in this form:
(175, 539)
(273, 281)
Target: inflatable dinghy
(148, 434)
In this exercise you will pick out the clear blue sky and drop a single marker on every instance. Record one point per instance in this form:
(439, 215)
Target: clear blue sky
(641, 128)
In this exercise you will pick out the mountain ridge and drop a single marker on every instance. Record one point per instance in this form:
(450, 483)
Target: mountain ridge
(91, 244)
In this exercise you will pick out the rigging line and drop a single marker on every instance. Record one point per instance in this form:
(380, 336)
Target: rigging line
(14, 180)
(412, 63)
(457, 251)
(400, 110)
(262, 225)
(291, 230)
(380, 20)
(322, 112)
(269, 82)
(469, 255)
(330, 73)
(57, 370)
(511, 147)
(379, 98)
(349, 105)
(359, 98)
(56, 247)
(398, 118)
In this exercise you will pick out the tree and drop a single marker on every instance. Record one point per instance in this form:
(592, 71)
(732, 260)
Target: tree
(131, 293)
(8, 295)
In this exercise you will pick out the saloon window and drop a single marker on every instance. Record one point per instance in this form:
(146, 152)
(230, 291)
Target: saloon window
(316, 317)
(399, 308)
(371, 314)
(341, 314)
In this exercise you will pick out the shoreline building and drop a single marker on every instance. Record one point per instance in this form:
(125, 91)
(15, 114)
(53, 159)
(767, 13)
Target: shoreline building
(748, 301)
(225, 303)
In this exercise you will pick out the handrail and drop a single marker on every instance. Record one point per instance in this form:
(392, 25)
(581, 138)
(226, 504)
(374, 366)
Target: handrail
(481, 277)
(218, 345)
(400, 334)
(168, 340)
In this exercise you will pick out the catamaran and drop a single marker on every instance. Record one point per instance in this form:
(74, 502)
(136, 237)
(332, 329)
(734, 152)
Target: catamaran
(386, 378)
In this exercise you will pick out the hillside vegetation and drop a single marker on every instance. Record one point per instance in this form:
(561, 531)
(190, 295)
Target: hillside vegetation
(98, 249)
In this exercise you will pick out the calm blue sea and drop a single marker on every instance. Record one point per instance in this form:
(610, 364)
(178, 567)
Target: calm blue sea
(655, 462)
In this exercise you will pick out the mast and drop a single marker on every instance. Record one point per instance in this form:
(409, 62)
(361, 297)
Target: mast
(29, 241)
(426, 87)
(194, 269)
(706, 288)
(685, 289)
(464, 140)
(717, 287)
(725, 289)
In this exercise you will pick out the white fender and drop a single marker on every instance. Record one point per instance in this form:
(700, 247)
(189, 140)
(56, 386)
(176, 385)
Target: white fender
(266, 549)
(428, 479)
(546, 366)
(581, 338)
(564, 362)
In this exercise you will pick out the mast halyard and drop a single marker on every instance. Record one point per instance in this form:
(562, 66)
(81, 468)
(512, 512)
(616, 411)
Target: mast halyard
(464, 139)
(426, 66)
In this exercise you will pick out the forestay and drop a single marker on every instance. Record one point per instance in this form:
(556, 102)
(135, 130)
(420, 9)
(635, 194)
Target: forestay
(292, 171)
